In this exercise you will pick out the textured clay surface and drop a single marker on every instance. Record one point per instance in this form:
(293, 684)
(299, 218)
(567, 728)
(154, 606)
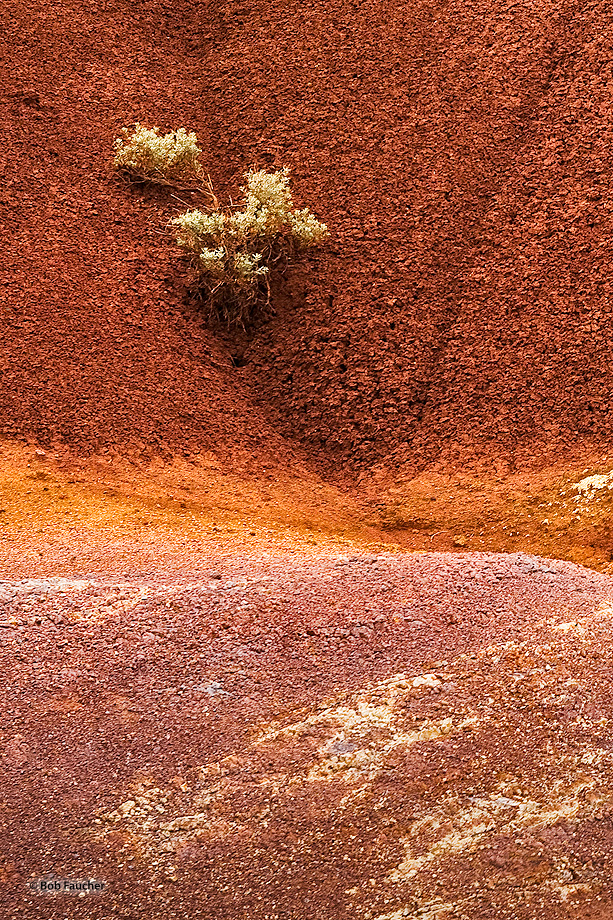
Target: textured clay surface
(460, 154)
(370, 736)
(232, 729)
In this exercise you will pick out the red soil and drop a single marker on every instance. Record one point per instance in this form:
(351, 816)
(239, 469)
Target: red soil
(254, 744)
(460, 155)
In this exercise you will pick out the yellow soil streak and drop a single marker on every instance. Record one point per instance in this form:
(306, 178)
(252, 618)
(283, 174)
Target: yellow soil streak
(60, 515)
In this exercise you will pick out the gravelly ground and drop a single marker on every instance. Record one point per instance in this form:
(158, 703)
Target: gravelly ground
(372, 736)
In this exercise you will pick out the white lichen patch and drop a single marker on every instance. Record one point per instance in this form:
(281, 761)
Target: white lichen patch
(569, 892)
(185, 823)
(365, 762)
(604, 612)
(594, 756)
(569, 627)
(350, 718)
(141, 808)
(426, 680)
(356, 736)
(144, 816)
(433, 910)
(369, 708)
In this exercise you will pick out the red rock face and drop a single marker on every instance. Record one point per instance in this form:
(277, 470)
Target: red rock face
(459, 155)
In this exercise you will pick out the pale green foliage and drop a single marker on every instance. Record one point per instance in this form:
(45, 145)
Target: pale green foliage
(148, 155)
(227, 248)
(247, 268)
(268, 204)
(198, 231)
(269, 190)
(307, 231)
(213, 261)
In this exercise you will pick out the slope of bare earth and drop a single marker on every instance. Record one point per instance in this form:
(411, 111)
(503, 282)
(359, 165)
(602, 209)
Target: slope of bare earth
(461, 155)
(370, 736)
(228, 692)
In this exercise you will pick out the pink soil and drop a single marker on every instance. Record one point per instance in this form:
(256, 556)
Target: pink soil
(221, 700)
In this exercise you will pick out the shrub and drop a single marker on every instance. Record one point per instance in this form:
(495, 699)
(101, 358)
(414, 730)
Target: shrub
(232, 253)
(148, 156)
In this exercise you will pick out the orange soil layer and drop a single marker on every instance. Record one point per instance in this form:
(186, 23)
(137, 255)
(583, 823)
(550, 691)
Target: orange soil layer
(58, 514)
(532, 511)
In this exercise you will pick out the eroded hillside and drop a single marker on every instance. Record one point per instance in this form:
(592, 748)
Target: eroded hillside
(460, 154)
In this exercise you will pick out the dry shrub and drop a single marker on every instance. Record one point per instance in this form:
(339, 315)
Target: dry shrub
(233, 252)
(143, 154)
